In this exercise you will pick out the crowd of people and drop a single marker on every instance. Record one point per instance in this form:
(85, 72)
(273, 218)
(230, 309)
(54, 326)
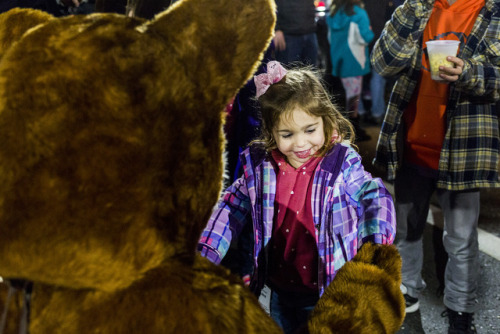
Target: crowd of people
(55, 7)
(437, 137)
(299, 203)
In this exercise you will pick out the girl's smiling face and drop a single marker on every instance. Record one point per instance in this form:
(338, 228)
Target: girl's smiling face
(299, 136)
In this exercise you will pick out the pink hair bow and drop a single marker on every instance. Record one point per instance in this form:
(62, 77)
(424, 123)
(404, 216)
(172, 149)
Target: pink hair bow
(275, 72)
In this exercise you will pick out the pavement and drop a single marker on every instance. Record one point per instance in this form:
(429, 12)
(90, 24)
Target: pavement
(428, 318)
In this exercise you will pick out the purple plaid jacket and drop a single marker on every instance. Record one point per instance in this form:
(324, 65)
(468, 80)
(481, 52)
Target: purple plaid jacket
(349, 208)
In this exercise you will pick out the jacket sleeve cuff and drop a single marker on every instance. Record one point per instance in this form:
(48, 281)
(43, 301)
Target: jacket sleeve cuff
(211, 254)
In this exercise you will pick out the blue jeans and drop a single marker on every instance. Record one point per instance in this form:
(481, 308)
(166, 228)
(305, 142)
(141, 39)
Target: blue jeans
(377, 92)
(377, 88)
(299, 48)
(291, 311)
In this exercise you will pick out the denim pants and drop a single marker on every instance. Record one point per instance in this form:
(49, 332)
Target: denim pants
(377, 94)
(291, 311)
(377, 88)
(299, 48)
(461, 213)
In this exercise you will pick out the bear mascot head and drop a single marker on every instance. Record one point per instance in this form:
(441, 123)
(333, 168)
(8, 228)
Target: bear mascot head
(110, 163)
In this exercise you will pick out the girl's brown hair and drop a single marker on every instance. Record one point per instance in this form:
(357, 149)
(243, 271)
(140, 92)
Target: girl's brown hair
(301, 87)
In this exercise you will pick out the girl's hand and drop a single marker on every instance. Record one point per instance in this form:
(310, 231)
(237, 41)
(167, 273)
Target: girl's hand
(451, 74)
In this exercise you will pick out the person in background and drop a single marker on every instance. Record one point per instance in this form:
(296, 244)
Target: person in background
(350, 33)
(374, 85)
(295, 38)
(305, 194)
(442, 138)
(332, 84)
(55, 7)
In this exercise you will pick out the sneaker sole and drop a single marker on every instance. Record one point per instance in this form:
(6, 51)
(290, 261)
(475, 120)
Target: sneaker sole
(413, 308)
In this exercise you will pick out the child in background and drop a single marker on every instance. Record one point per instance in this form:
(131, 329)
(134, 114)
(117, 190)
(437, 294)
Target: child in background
(306, 194)
(349, 35)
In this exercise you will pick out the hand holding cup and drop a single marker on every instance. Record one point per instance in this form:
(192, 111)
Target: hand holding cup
(442, 59)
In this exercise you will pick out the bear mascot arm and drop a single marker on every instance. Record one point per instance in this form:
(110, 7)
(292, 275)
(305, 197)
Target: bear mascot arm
(111, 161)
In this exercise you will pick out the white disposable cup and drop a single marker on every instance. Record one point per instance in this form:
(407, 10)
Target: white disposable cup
(437, 52)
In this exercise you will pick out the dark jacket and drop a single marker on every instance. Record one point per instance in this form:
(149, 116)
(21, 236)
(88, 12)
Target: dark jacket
(296, 17)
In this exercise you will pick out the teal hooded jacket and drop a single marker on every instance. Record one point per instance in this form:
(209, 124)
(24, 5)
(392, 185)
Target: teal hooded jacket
(349, 37)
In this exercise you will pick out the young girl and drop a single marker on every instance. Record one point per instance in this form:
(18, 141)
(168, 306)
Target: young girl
(349, 35)
(311, 203)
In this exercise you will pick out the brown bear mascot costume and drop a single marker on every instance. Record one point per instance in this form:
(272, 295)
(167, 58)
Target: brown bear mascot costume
(110, 163)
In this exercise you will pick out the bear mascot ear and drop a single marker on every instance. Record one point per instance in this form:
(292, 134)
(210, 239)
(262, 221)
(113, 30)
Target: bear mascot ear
(111, 161)
(16, 23)
(111, 137)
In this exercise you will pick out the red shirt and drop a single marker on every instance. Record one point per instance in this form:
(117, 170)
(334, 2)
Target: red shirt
(294, 253)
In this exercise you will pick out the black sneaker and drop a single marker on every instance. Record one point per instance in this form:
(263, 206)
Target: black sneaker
(412, 304)
(460, 322)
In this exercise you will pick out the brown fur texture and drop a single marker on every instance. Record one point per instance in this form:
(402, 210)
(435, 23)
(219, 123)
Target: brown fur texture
(14, 25)
(111, 161)
(364, 297)
(110, 138)
(172, 298)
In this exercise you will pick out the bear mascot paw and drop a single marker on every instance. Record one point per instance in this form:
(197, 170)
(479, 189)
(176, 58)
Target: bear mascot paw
(364, 297)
